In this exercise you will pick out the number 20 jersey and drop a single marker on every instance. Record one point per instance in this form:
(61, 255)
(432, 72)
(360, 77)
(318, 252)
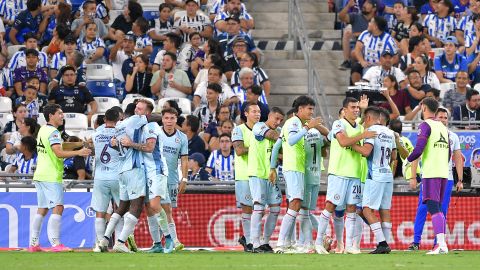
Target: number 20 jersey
(107, 159)
(379, 160)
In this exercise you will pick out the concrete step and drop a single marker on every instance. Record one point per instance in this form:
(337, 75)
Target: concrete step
(280, 20)
(313, 33)
(292, 77)
(316, 55)
(282, 6)
(287, 64)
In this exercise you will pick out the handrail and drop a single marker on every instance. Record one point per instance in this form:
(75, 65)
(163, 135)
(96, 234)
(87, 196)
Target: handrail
(298, 33)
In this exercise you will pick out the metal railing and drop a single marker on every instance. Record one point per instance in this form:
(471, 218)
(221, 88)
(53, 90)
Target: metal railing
(298, 33)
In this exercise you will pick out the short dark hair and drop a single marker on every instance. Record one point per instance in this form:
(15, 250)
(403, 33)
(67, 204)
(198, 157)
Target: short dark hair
(32, 125)
(31, 52)
(419, 26)
(170, 110)
(174, 104)
(135, 10)
(442, 109)
(112, 115)
(29, 35)
(470, 93)
(88, 2)
(225, 135)
(33, 5)
(247, 106)
(448, 4)
(163, 6)
(31, 78)
(256, 90)
(384, 113)
(50, 109)
(413, 71)
(174, 38)
(193, 122)
(431, 104)
(220, 70)
(30, 143)
(348, 100)
(100, 120)
(413, 42)
(373, 111)
(277, 110)
(303, 101)
(143, 24)
(396, 125)
(90, 23)
(172, 56)
(435, 91)
(194, 34)
(215, 87)
(381, 23)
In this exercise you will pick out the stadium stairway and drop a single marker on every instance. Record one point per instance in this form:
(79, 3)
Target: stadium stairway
(288, 75)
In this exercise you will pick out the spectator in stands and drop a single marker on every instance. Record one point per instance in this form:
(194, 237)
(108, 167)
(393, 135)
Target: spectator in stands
(19, 58)
(431, 93)
(10, 12)
(356, 24)
(416, 48)
(123, 23)
(58, 27)
(450, 62)
(212, 46)
(122, 55)
(220, 164)
(415, 88)
(469, 111)
(26, 162)
(233, 7)
(401, 32)
(234, 35)
(376, 74)
(210, 61)
(28, 127)
(422, 65)
(193, 22)
(191, 127)
(75, 60)
(143, 42)
(367, 52)
(253, 96)
(196, 169)
(187, 55)
(170, 81)
(456, 97)
(472, 43)
(440, 25)
(397, 96)
(59, 33)
(429, 8)
(217, 6)
(215, 75)
(31, 20)
(74, 167)
(161, 26)
(472, 51)
(31, 69)
(173, 104)
(207, 113)
(19, 113)
(79, 25)
(138, 82)
(250, 60)
(171, 44)
(60, 59)
(91, 46)
(246, 81)
(31, 100)
(394, 13)
(73, 98)
(465, 25)
(214, 129)
(6, 78)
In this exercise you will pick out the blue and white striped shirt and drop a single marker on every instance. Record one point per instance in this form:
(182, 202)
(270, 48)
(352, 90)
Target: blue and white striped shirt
(373, 46)
(25, 166)
(199, 23)
(440, 27)
(100, 13)
(242, 95)
(222, 16)
(222, 167)
(89, 48)
(18, 60)
(58, 61)
(142, 42)
(6, 78)
(220, 4)
(466, 25)
(9, 9)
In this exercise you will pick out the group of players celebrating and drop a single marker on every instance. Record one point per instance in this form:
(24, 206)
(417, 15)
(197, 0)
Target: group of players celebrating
(363, 151)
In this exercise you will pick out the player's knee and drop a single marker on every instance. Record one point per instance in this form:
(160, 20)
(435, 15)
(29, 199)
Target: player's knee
(58, 210)
(295, 204)
(433, 207)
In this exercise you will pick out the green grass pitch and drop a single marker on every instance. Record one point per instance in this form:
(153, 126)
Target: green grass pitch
(236, 260)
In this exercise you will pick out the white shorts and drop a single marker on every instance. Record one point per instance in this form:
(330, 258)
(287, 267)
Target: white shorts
(103, 193)
(242, 193)
(157, 186)
(133, 184)
(377, 195)
(171, 195)
(311, 196)
(49, 194)
(343, 190)
(264, 192)
(295, 183)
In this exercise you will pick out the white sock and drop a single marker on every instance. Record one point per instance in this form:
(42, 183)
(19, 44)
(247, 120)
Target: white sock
(100, 227)
(305, 228)
(270, 223)
(377, 231)
(441, 240)
(358, 233)
(128, 227)
(246, 224)
(112, 224)
(314, 221)
(119, 227)
(256, 224)
(323, 221)
(350, 229)
(301, 220)
(153, 228)
(338, 226)
(387, 231)
(163, 223)
(53, 229)
(172, 230)
(36, 229)
(287, 224)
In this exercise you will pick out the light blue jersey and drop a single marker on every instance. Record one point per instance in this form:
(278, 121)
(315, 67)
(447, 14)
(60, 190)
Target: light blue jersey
(454, 145)
(313, 156)
(130, 127)
(174, 147)
(107, 159)
(379, 160)
(155, 161)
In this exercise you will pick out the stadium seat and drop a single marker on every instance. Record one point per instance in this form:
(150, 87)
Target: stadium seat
(444, 87)
(405, 126)
(94, 119)
(151, 14)
(12, 49)
(75, 122)
(99, 72)
(41, 119)
(86, 134)
(103, 88)
(184, 103)
(5, 118)
(477, 87)
(105, 103)
(131, 98)
(5, 105)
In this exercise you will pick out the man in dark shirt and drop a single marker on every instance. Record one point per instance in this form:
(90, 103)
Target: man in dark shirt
(253, 93)
(196, 168)
(468, 112)
(30, 20)
(190, 127)
(239, 47)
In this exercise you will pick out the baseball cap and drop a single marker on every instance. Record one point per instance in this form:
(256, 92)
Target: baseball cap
(233, 17)
(450, 39)
(199, 158)
(129, 36)
(387, 52)
(239, 39)
(70, 40)
(373, 2)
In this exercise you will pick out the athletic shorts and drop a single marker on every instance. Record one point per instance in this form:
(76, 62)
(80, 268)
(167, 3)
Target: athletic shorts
(103, 192)
(311, 196)
(362, 188)
(171, 196)
(133, 184)
(433, 189)
(49, 194)
(157, 186)
(264, 192)
(242, 193)
(377, 195)
(295, 182)
(343, 191)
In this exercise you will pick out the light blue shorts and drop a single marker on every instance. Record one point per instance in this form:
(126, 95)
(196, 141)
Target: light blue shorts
(377, 195)
(171, 195)
(343, 190)
(362, 188)
(295, 182)
(103, 192)
(133, 184)
(157, 186)
(49, 194)
(264, 192)
(311, 196)
(242, 193)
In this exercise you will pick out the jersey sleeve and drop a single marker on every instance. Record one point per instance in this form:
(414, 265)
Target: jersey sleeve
(456, 142)
(184, 146)
(211, 160)
(237, 134)
(150, 131)
(371, 140)
(259, 130)
(55, 138)
(337, 127)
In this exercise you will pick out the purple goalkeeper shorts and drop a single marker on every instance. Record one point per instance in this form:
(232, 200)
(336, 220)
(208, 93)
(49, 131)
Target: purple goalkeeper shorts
(433, 189)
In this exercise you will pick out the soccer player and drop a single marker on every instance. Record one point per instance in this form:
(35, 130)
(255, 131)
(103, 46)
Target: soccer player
(220, 164)
(433, 146)
(48, 179)
(293, 133)
(442, 115)
(345, 171)
(377, 194)
(175, 147)
(264, 192)
(241, 143)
